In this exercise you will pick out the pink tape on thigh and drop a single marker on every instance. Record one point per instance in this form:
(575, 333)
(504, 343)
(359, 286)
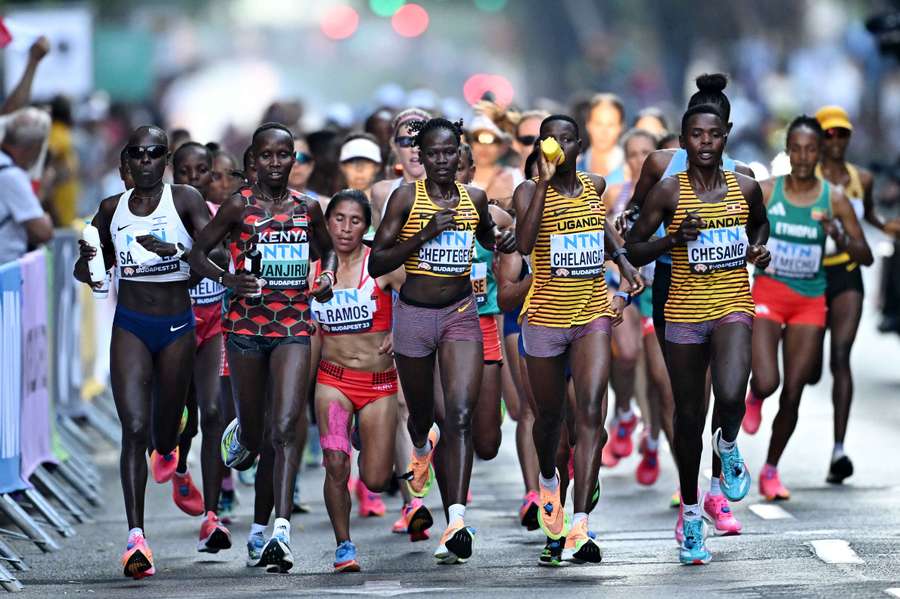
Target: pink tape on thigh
(337, 438)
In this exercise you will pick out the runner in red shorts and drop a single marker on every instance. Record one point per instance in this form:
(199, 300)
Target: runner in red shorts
(790, 294)
(356, 378)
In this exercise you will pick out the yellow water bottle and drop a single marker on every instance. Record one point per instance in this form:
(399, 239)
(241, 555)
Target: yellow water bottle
(552, 152)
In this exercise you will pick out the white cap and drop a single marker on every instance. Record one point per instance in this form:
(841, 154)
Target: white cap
(361, 147)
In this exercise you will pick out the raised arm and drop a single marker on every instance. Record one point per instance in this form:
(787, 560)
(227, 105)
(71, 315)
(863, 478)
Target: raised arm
(21, 94)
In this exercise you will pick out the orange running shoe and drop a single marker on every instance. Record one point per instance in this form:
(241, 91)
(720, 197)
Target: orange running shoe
(420, 477)
(137, 561)
(163, 466)
(551, 515)
(456, 543)
(186, 495)
(581, 546)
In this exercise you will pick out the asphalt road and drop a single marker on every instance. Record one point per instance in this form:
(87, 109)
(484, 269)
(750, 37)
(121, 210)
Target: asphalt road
(826, 541)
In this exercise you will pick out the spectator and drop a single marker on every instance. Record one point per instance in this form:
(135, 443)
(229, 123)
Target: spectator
(63, 160)
(21, 94)
(23, 222)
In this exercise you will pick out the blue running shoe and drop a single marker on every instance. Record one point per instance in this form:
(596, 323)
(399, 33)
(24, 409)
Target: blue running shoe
(255, 546)
(235, 455)
(693, 550)
(735, 478)
(345, 557)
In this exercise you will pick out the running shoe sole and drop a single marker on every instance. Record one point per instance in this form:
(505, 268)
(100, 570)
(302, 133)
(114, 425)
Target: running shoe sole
(137, 566)
(459, 547)
(351, 566)
(217, 541)
(276, 557)
(530, 518)
(254, 562)
(419, 521)
(589, 552)
(711, 528)
(840, 471)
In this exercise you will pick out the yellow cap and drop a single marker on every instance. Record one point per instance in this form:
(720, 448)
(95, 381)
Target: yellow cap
(833, 117)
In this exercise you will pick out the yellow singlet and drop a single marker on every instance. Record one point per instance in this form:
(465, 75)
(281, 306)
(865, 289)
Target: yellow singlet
(709, 275)
(450, 253)
(567, 287)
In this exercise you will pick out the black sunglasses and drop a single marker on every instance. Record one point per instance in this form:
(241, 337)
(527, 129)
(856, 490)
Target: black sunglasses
(302, 157)
(837, 132)
(155, 152)
(527, 140)
(404, 141)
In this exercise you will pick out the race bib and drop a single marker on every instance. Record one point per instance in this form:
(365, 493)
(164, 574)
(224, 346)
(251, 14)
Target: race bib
(479, 282)
(284, 258)
(450, 253)
(723, 248)
(577, 255)
(207, 292)
(794, 260)
(348, 311)
(129, 267)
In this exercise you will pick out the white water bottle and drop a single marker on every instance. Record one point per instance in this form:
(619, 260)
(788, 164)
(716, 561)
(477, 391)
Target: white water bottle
(96, 266)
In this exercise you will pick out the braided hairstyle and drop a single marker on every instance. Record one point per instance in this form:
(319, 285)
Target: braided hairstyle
(804, 120)
(421, 128)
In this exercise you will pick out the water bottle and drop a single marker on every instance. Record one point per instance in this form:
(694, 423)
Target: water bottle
(103, 291)
(96, 266)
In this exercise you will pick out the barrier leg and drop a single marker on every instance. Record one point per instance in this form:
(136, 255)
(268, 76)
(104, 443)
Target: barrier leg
(71, 476)
(108, 429)
(8, 581)
(54, 518)
(43, 480)
(83, 465)
(27, 524)
(9, 555)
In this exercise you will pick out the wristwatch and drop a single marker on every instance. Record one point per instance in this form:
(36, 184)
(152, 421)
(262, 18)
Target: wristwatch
(619, 252)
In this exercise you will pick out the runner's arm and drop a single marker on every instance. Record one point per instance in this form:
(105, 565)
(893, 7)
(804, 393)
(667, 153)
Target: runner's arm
(655, 208)
(387, 253)
(757, 223)
(651, 172)
(852, 240)
(211, 236)
(102, 221)
(511, 291)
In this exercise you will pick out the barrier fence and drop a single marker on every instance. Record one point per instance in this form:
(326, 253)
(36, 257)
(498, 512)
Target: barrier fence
(45, 480)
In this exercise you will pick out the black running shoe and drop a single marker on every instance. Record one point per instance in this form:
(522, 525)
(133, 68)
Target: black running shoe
(840, 469)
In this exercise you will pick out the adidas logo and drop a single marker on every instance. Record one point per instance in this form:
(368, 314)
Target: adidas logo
(777, 210)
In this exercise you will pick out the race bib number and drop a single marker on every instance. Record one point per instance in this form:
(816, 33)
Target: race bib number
(450, 253)
(577, 255)
(723, 248)
(284, 258)
(794, 260)
(348, 311)
(129, 267)
(207, 292)
(479, 282)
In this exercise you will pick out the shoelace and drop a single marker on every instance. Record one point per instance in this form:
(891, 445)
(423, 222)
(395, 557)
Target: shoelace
(548, 507)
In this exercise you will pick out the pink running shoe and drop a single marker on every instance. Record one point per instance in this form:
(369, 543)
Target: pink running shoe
(137, 561)
(753, 414)
(679, 525)
(163, 466)
(608, 458)
(770, 485)
(370, 504)
(529, 510)
(621, 443)
(213, 536)
(186, 495)
(720, 515)
(418, 520)
(648, 469)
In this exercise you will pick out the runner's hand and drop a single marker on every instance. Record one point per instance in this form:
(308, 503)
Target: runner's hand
(242, 283)
(387, 346)
(892, 227)
(87, 251)
(39, 49)
(758, 255)
(621, 222)
(618, 307)
(689, 229)
(157, 245)
(504, 241)
(546, 169)
(631, 274)
(440, 222)
(322, 291)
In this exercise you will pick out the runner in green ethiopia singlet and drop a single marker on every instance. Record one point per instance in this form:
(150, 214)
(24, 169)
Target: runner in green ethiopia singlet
(797, 241)
(483, 283)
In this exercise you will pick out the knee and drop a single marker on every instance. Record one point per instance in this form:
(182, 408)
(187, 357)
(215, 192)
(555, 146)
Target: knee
(592, 415)
(136, 432)
(376, 480)
(840, 358)
(337, 466)
(765, 385)
(210, 416)
(284, 431)
(458, 418)
(626, 357)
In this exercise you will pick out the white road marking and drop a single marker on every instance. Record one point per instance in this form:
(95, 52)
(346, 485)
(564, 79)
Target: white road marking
(770, 511)
(895, 592)
(379, 588)
(835, 551)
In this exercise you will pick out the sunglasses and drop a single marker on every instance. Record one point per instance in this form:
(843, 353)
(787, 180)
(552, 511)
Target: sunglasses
(155, 152)
(527, 140)
(837, 132)
(404, 141)
(302, 157)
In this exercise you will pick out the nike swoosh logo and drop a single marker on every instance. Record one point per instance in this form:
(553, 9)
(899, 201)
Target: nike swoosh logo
(462, 308)
(173, 329)
(123, 227)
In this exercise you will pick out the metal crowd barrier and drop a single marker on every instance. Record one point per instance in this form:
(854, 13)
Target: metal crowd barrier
(47, 478)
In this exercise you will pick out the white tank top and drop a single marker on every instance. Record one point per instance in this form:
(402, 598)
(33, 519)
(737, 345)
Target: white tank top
(165, 223)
